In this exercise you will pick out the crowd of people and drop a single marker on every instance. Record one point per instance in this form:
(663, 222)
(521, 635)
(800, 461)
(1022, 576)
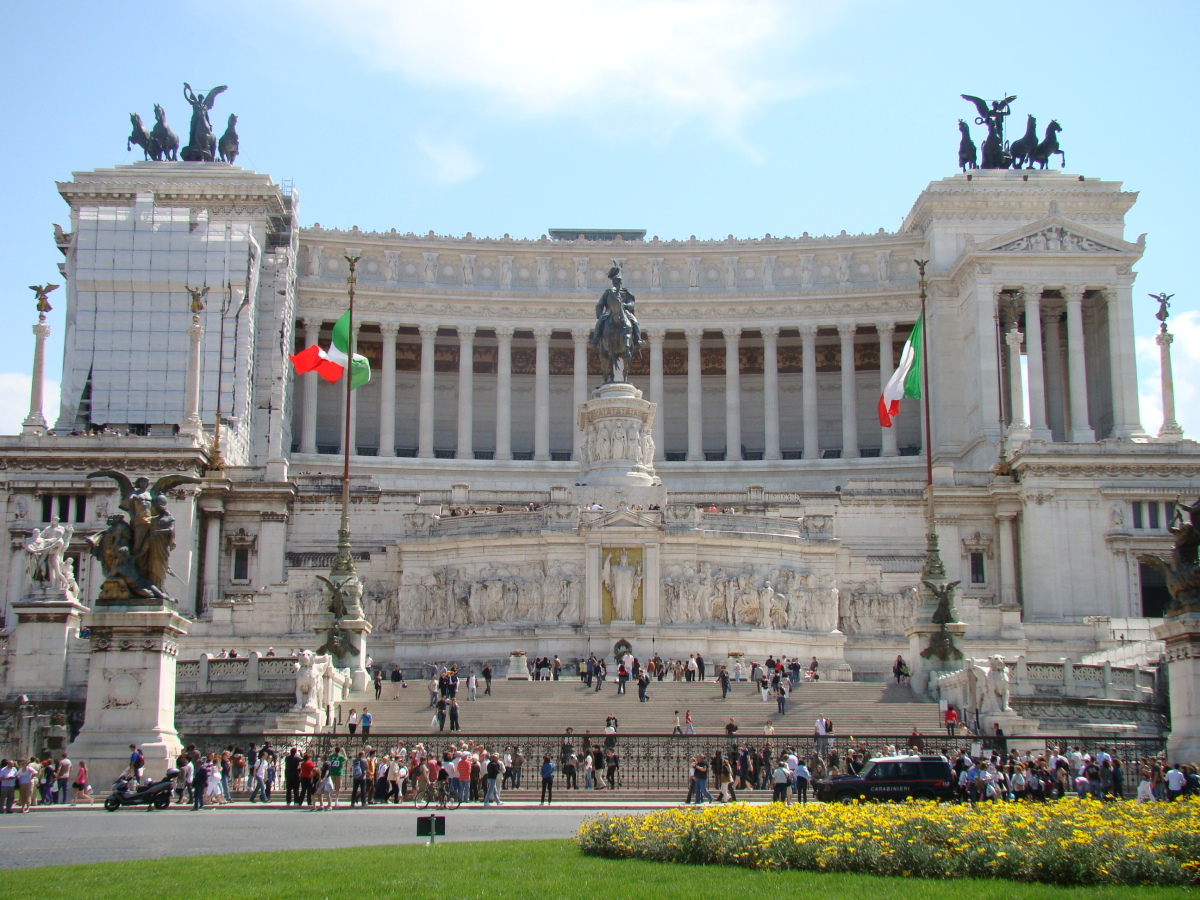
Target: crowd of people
(42, 780)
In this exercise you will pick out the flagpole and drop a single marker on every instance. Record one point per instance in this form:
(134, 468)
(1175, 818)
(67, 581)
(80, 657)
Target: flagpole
(351, 279)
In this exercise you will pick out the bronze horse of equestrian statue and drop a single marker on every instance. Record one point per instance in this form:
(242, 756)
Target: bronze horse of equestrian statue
(1048, 147)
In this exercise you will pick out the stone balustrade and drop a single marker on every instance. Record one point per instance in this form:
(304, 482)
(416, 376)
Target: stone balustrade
(252, 674)
(1063, 679)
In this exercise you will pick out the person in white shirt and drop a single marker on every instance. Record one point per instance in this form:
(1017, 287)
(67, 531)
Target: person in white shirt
(471, 685)
(800, 779)
(1175, 782)
(8, 786)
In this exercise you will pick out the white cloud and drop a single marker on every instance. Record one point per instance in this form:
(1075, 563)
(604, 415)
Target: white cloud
(451, 161)
(663, 61)
(14, 401)
(1185, 369)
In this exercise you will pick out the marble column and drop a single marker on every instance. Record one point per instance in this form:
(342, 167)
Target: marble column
(466, 392)
(770, 339)
(1170, 430)
(1056, 414)
(212, 553)
(192, 423)
(1018, 428)
(387, 389)
(733, 393)
(849, 393)
(657, 337)
(695, 395)
(1127, 422)
(35, 422)
(1008, 557)
(308, 434)
(504, 338)
(425, 413)
(541, 394)
(579, 380)
(1038, 429)
(1081, 429)
(812, 439)
(887, 366)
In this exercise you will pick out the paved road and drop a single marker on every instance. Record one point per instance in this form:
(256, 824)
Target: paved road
(55, 836)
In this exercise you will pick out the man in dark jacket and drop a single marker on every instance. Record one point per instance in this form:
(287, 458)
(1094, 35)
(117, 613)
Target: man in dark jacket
(291, 776)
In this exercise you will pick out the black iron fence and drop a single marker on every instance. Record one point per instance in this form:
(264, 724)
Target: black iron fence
(656, 761)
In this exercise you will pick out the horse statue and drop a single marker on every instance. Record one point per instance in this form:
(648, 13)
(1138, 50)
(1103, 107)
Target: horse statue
(967, 157)
(1021, 150)
(1048, 147)
(142, 138)
(617, 334)
(228, 145)
(167, 140)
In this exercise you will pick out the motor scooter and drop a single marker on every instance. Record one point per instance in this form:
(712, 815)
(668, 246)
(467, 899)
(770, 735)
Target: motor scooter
(156, 795)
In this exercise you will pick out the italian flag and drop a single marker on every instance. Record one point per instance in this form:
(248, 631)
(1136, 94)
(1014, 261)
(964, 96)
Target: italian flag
(905, 383)
(331, 363)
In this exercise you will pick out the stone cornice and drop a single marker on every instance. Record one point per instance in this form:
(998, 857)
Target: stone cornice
(211, 185)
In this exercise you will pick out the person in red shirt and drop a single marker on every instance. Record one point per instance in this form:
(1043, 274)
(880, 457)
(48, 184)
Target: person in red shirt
(308, 772)
(951, 720)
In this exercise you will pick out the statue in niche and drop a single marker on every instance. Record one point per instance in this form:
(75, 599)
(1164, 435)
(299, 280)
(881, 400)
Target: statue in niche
(623, 581)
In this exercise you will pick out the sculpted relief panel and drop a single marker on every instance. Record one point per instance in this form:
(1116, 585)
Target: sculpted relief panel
(866, 609)
(754, 596)
(455, 597)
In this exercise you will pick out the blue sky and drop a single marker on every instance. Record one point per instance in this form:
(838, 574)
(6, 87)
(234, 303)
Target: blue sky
(704, 117)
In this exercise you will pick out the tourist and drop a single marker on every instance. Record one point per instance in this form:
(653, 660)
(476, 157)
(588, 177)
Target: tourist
(518, 764)
(700, 666)
(62, 777)
(471, 685)
(570, 767)
(781, 696)
(589, 670)
(819, 735)
(801, 777)
(1176, 779)
(213, 795)
(27, 776)
(8, 785)
(291, 777)
(337, 763)
(622, 677)
(199, 781)
(556, 667)
(899, 668)
(493, 772)
(366, 722)
(916, 740)
(724, 679)
(589, 772)
(547, 773)
(487, 680)
(951, 719)
(700, 780)
(352, 721)
(812, 670)
(454, 726)
(358, 774)
(764, 687)
(259, 774)
(780, 779)
(678, 729)
(439, 717)
(80, 785)
(692, 668)
(643, 685)
(737, 670)
(612, 765)
(688, 727)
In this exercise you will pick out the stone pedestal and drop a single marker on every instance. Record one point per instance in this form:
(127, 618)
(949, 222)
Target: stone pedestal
(617, 448)
(1180, 631)
(518, 667)
(356, 631)
(1009, 721)
(925, 671)
(131, 691)
(37, 662)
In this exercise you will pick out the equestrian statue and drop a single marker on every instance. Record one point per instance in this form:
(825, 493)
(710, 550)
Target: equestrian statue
(1024, 152)
(617, 335)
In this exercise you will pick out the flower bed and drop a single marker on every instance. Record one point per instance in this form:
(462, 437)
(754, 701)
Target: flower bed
(1064, 842)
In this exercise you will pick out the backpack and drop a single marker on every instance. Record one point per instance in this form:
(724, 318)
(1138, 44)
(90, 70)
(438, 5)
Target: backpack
(360, 769)
(141, 760)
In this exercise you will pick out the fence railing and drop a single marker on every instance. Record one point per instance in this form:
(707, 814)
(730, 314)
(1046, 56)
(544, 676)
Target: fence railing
(656, 761)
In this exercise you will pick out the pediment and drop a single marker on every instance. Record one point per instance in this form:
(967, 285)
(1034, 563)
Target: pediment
(624, 518)
(1056, 235)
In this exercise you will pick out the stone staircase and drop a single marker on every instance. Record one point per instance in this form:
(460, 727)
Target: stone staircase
(549, 707)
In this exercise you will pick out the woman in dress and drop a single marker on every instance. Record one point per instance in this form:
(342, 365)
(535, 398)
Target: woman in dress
(213, 795)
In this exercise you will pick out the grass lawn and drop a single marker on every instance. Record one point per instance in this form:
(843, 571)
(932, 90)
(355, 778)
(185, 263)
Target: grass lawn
(495, 870)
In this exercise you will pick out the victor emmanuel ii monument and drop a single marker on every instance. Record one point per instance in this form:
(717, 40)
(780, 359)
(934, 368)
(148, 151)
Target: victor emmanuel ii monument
(706, 470)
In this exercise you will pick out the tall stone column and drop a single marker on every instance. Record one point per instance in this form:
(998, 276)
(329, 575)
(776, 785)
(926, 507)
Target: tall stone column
(887, 365)
(1056, 412)
(651, 585)
(812, 439)
(192, 424)
(308, 434)
(387, 389)
(770, 339)
(695, 399)
(1081, 429)
(849, 392)
(504, 336)
(213, 511)
(1008, 557)
(1123, 363)
(425, 411)
(35, 422)
(657, 337)
(1170, 430)
(579, 380)
(1038, 429)
(733, 393)
(466, 392)
(1180, 631)
(593, 597)
(541, 394)
(1018, 429)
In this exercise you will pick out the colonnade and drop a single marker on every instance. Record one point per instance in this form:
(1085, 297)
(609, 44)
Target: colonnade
(656, 337)
(1058, 393)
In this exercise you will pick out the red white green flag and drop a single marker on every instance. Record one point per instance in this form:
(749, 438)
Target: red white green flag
(905, 383)
(331, 363)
